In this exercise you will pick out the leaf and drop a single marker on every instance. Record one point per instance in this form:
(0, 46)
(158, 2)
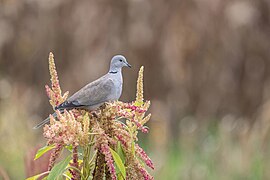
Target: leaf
(120, 177)
(43, 150)
(37, 176)
(57, 170)
(119, 163)
(69, 148)
(120, 152)
(34, 177)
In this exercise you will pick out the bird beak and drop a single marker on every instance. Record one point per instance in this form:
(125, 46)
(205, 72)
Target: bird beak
(128, 65)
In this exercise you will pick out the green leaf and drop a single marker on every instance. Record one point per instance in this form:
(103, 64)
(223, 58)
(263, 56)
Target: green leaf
(119, 163)
(43, 150)
(58, 169)
(37, 176)
(120, 152)
(69, 148)
(120, 177)
(34, 177)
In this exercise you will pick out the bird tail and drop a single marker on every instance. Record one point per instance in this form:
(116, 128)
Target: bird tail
(45, 121)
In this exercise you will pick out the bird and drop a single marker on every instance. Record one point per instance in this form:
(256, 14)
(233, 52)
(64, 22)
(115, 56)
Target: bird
(93, 95)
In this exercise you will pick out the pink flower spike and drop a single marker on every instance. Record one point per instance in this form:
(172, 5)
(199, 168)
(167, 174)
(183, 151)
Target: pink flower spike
(105, 149)
(48, 91)
(145, 174)
(141, 153)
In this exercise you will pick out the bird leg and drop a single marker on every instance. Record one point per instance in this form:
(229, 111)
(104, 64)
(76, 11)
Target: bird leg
(94, 114)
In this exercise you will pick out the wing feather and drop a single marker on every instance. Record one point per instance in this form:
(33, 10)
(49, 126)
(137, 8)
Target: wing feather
(97, 92)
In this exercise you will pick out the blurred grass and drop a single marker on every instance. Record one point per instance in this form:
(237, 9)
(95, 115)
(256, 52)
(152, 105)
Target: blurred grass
(221, 151)
(16, 138)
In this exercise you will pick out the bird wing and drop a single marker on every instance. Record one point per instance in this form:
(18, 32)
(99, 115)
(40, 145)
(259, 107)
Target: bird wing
(92, 94)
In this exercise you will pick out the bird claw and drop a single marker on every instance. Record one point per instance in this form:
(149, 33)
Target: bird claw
(94, 114)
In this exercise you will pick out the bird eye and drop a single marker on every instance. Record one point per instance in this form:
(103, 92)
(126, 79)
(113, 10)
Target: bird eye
(121, 60)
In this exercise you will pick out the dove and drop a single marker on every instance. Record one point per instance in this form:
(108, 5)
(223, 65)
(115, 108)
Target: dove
(93, 95)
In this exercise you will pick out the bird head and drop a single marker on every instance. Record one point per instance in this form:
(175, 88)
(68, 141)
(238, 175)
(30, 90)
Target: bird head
(118, 62)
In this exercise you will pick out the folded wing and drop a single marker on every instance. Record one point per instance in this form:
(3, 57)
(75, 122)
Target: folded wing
(92, 94)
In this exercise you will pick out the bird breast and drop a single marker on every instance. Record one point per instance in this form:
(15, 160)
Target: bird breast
(118, 82)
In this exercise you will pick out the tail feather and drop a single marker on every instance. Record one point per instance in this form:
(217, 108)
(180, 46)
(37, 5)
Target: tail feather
(45, 121)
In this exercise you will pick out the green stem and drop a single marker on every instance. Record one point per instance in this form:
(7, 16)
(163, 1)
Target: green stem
(87, 158)
(66, 176)
(93, 157)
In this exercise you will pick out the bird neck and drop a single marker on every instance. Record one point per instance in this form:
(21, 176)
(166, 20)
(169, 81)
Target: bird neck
(114, 70)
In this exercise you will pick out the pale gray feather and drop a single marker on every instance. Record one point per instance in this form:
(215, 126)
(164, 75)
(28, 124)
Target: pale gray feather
(94, 93)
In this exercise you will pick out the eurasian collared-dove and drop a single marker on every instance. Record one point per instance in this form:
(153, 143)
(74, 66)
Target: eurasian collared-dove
(106, 88)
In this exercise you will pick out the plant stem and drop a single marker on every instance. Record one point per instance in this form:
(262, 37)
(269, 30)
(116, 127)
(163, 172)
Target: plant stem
(87, 158)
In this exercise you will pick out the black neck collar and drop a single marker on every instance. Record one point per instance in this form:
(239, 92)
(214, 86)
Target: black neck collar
(113, 72)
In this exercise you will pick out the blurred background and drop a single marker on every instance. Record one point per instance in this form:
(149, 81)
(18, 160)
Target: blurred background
(207, 74)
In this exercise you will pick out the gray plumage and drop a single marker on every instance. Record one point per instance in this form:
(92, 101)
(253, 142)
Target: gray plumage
(93, 95)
